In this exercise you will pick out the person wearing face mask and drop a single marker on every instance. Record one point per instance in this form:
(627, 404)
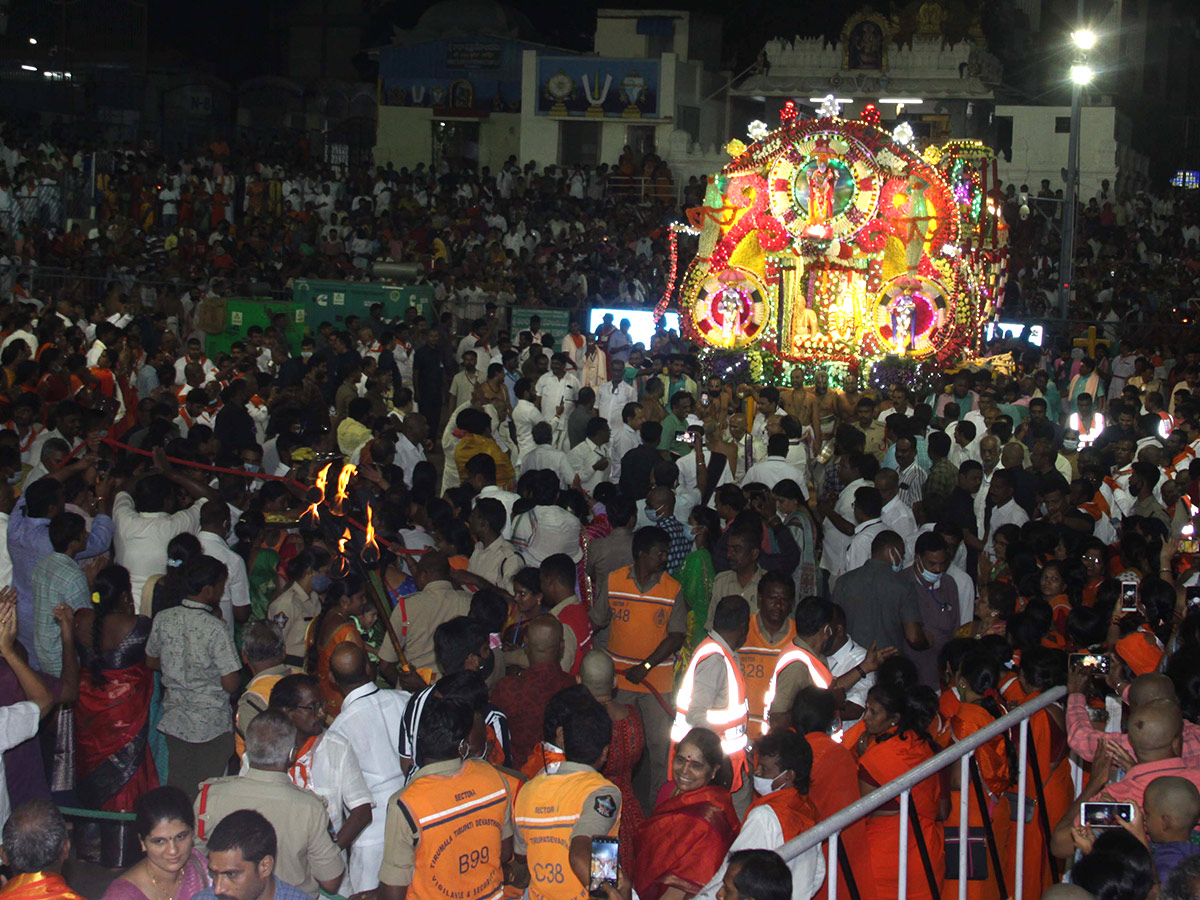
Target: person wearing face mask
(558, 813)
(214, 525)
(880, 602)
(429, 848)
(781, 811)
(713, 692)
(937, 598)
(462, 647)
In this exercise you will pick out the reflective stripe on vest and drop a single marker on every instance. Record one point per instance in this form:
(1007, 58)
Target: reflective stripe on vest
(547, 810)
(728, 723)
(461, 820)
(817, 671)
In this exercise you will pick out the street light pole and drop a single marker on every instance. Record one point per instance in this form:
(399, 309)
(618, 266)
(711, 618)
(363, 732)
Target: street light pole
(1070, 203)
(1084, 40)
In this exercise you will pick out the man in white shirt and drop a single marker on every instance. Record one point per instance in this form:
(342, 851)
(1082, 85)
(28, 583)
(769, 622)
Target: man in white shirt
(614, 394)
(835, 541)
(1004, 510)
(370, 722)
(462, 388)
(775, 468)
(410, 444)
(18, 721)
(868, 508)
(545, 455)
(896, 515)
(145, 523)
(590, 459)
(526, 415)
(214, 525)
(624, 438)
(912, 476)
(557, 390)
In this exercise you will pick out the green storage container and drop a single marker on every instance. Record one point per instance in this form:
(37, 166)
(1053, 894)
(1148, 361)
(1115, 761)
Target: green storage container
(333, 301)
(243, 312)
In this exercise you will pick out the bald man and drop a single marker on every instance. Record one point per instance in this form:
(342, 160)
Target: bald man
(1156, 735)
(523, 695)
(1085, 740)
(1172, 808)
(598, 674)
(370, 721)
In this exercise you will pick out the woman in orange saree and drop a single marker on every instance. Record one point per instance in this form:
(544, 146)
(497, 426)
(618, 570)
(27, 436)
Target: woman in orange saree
(684, 842)
(897, 720)
(345, 599)
(1042, 669)
(977, 680)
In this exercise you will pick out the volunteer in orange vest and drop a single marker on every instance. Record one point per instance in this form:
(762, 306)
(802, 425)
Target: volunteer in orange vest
(801, 664)
(712, 693)
(449, 833)
(558, 814)
(648, 617)
(781, 811)
(263, 652)
(771, 632)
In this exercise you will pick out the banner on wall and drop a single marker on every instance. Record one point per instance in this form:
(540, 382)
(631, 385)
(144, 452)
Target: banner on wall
(598, 87)
(554, 321)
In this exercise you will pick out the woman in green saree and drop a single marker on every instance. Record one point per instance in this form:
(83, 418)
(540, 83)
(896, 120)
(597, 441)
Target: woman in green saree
(696, 576)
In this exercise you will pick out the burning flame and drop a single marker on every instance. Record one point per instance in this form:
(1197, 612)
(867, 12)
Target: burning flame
(317, 495)
(343, 541)
(343, 486)
(370, 550)
(341, 566)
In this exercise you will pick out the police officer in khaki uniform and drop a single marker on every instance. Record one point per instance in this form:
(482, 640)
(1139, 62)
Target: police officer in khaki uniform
(294, 610)
(307, 856)
(450, 830)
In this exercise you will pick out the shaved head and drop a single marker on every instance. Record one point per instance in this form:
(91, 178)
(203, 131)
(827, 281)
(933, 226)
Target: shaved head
(1170, 795)
(597, 674)
(1151, 688)
(544, 639)
(1012, 455)
(661, 498)
(348, 666)
(1065, 892)
(1156, 731)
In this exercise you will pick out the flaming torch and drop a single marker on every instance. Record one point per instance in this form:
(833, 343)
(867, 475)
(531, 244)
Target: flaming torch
(370, 550)
(317, 496)
(342, 564)
(343, 487)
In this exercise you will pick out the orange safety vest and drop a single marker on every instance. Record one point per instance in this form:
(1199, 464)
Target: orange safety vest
(259, 686)
(639, 624)
(460, 820)
(728, 723)
(757, 657)
(817, 671)
(547, 810)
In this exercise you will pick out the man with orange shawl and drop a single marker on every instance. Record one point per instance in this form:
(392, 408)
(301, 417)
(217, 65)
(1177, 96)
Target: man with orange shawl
(35, 847)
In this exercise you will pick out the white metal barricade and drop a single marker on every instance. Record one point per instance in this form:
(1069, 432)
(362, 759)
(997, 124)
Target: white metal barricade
(961, 752)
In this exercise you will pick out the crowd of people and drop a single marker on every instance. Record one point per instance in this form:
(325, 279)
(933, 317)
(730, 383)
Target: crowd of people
(245, 222)
(448, 607)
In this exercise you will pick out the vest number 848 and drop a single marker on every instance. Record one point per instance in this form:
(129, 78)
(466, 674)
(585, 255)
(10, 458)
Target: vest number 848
(469, 861)
(548, 873)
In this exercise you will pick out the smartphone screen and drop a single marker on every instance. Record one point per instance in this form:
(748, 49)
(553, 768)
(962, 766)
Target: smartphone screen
(604, 865)
(1097, 662)
(1129, 595)
(1106, 815)
(1193, 597)
(704, 399)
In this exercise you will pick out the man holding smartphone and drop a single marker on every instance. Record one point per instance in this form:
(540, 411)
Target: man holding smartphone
(558, 815)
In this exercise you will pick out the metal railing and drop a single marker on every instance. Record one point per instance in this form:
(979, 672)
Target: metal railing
(961, 752)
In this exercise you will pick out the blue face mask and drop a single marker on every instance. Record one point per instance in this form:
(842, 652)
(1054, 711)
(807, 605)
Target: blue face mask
(933, 579)
(321, 582)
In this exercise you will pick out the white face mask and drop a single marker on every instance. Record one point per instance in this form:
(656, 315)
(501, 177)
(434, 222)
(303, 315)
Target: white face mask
(763, 786)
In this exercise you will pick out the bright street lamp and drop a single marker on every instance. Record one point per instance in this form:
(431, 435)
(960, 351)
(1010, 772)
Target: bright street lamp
(1082, 74)
(33, 40)
(1085, 39)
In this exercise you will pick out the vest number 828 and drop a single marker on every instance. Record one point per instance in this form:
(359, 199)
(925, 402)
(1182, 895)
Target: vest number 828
(469, 861)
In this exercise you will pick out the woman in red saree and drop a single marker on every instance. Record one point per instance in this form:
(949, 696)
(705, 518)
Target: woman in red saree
(1042, 669)
(897, 719)
(977, 679)
(684, 842)
(112, 716)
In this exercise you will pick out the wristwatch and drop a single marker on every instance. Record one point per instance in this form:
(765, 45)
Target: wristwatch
(647, 666)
